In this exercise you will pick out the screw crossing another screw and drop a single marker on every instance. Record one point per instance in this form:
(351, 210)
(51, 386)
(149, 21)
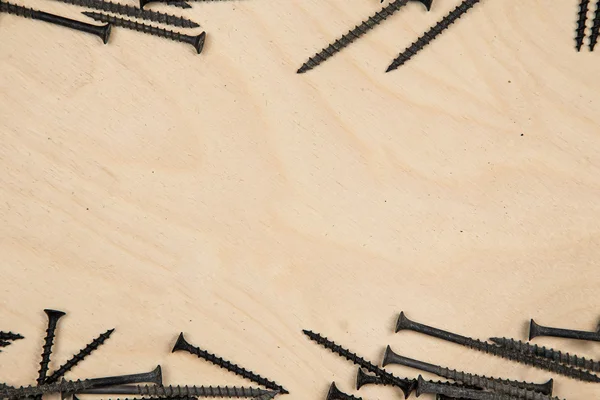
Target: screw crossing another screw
(536, 330)
(103, 32)
(183, 345)
(196, 41)
(430, 35)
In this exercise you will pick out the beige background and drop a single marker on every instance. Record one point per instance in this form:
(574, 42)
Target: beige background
(149, 189)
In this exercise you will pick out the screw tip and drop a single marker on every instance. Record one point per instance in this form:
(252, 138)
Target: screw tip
(390, 69)
(303, 69)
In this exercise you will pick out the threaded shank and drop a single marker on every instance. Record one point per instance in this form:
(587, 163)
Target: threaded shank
(200, 391)
(9, 335)
(582, 17)
(595, 27)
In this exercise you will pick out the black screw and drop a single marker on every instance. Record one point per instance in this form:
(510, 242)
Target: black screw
(446, 389)
(10, 336)
(103, 32)
(536, 330)
(336, 394)
(551, 354)
(430, 35)
(355, 33)
(179, 4)
(183, 345)
(63, 369)
(405, 385)
(135, 12)
(53, 317)
(196, 41)
(525, 390)
(582, 17)
(595, 27)
(70, 387)
(180, 391)
(405, 323)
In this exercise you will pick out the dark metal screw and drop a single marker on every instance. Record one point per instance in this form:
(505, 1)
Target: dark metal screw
(103, 32)
(53, 317)
(446, 389)
(405, 323)
(430, 35)
(582, 17)
(182, 344)
(536, 330)
(525, 390)
(336, 394)
(63, 369)
(179, 4)
(135, 12)
(595, 27)
(355, 33)
(10, 336)
(196, 41)
(551, 354)
(405, 385)
(180, 391)
(70, 387)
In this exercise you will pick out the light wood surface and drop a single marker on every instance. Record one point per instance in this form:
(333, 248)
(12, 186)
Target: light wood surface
(149, 189)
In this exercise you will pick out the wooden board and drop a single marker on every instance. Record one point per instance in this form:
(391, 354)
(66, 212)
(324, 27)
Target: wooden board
(153, 190)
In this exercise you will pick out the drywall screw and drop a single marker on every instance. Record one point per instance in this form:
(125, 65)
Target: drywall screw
(182, 344)
(551, 354)
(405, 385)
(582, 17)
(71, 387)
(180, 391)
(595, 27)
(10, 336)
(536, 330)
(63, 369)
(430, 35)
(355, 33)
(143, 3)
(525, 390)
(336, 394)
(196, 41)
(424, 386)
(405, 323)
(103, 31)
(53, 317)
(135, 12)
(179, 4)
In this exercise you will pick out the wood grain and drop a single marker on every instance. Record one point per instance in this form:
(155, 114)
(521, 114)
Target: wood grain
(152, 190)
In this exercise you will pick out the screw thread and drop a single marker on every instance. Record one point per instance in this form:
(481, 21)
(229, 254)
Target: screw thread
(53, 317)
(551, 354)
(595, 27)
(9, 335)
(4, 343)
(179, 4)
(200, 391)
(582, 16)
(14, 9)
(33, 391)
(352, 35)
(63, 369)
(445, 388)
(430, 35)
(135, 12)
(404, 384)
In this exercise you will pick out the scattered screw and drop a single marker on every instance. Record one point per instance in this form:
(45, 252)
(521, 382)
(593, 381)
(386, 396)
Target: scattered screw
(182, 344)
(101, 31)
(180, 391)
(582, 17)
(10, 336)
(337, 394)
(53, 317)
(179, 4)
(405, 385)
(424, 386)
(551, 354)
(525, 390)
(595, 27)
(355, 33)
(196, 41)
(536, 330)
(70, 387)
(430, 35)
(63, 369)
(405, 323)
(135, 12)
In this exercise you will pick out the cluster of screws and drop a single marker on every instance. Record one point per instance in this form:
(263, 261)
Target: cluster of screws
(123, 384)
